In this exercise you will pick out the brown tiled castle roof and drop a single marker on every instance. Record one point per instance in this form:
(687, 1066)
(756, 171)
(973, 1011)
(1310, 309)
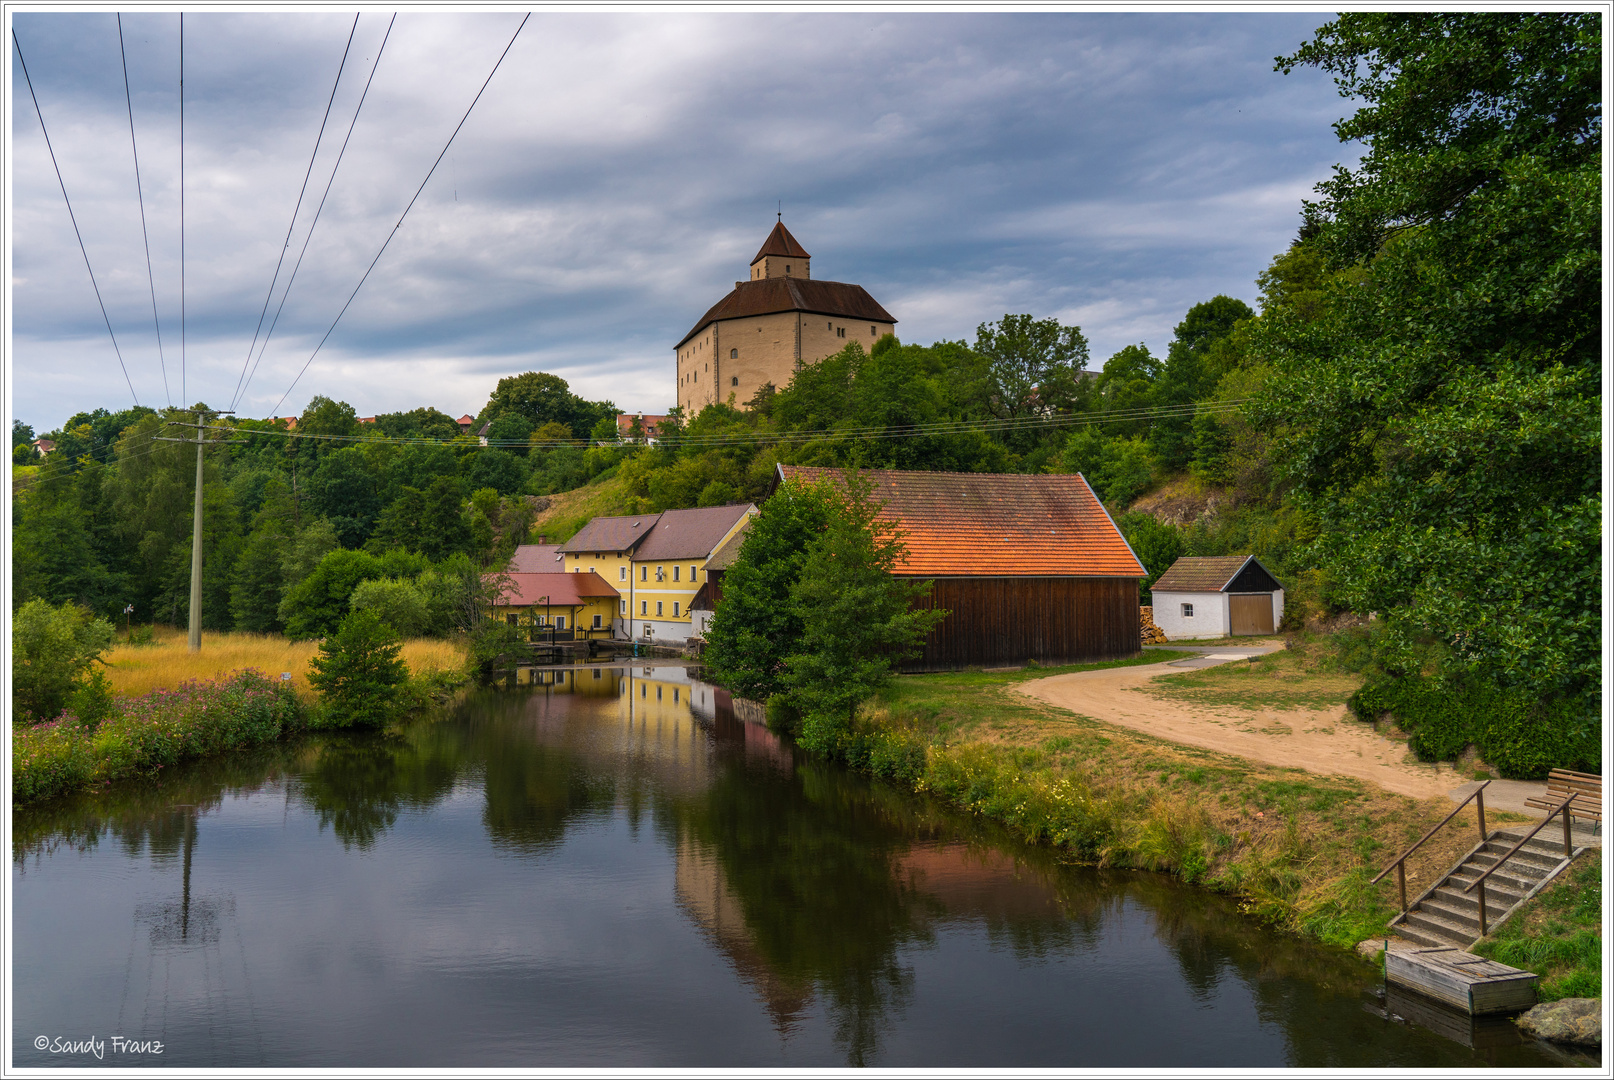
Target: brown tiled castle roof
(769, 296)
(1205, 573)
(995, 524)
(780, 242)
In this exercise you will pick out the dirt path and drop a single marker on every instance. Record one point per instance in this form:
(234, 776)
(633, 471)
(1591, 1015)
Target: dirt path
(1318, 740)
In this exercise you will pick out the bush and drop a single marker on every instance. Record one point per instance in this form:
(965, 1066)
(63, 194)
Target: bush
(1522, 736)
(51, 650)
(145, 734)
(359, 673)
(399, 604)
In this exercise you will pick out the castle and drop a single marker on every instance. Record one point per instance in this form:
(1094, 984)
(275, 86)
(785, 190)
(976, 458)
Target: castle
(771, 326)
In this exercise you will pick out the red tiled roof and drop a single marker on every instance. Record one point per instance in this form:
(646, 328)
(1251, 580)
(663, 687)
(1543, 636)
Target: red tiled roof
(996, 525)
(1205, 573)
(647, 422)
(780, 242)
(691, 534)
(466, 421)
(612, 533)
(769, 296)
(536, 559)
(554, 590)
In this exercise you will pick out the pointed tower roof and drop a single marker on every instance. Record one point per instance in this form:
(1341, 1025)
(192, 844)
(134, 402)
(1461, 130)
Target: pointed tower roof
(780, 242)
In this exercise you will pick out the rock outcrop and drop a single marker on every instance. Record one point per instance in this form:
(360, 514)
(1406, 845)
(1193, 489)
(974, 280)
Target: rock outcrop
(1572, 1020)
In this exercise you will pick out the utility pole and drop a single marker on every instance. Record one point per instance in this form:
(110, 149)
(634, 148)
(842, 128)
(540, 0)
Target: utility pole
(202, 427)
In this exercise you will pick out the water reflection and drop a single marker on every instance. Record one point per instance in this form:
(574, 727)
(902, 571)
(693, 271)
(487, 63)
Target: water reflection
(624, 866)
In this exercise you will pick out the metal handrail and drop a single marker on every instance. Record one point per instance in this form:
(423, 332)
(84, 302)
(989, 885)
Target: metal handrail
(1400, 864)
(1569, 850)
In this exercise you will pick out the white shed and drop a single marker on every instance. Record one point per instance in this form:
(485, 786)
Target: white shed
(1219, 596)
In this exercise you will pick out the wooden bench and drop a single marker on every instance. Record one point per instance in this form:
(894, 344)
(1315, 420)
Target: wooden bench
(1588, 798)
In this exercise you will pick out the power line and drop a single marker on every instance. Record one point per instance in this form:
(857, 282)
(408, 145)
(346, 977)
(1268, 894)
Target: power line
(72, 217)
(242, 389)
(301, 192)
(399, 225)
(150, 278)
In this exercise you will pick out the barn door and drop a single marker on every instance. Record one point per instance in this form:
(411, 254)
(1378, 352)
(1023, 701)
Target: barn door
(1250, 613)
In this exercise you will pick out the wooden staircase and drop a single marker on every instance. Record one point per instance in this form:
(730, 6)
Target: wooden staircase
(1446, 915)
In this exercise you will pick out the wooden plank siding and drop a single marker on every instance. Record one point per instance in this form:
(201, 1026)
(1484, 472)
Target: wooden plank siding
(1004, 621)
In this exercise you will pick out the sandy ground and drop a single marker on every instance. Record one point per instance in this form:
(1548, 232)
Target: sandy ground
(1324, 741)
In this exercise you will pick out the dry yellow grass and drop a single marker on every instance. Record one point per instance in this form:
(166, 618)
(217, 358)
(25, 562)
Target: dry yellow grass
(167, 662)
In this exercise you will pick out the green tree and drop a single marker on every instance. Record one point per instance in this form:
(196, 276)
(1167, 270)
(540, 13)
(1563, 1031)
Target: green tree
(1190, 373)
(756, 625)
(258, 584)
(400, 604)
(1034, 364)
(538, 397)
(52, 650)
(359, 673)
(344, 491)
(1156, 544)
(858, 620)
(1441, 416)
(316, 605)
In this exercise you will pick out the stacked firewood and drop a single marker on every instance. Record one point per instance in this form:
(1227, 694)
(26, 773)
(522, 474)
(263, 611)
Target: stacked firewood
(1152, 634)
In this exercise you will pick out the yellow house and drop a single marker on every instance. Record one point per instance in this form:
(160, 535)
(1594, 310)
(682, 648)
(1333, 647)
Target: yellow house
(559, 607)
(669, 567)
(656, 563)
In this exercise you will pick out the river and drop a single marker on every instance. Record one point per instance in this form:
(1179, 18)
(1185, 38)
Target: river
(605, 867)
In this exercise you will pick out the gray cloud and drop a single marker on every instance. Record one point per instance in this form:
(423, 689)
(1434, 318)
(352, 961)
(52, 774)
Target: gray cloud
(619, 172)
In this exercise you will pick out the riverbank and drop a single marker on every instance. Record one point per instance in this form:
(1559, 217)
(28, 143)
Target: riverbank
(1558, 934)
(1297, 848)
(170, 705)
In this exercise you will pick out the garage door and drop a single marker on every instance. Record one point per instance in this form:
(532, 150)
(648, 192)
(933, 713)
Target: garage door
(1251, 613)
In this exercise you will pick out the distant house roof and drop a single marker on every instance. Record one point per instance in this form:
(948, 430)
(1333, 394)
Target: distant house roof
(767, 296)
(648, 423)
(536, 559)
(553, 590)
(612, 533)
(466, 421)
(996, 525)
(366, 419)
(724, 557)
(691, 534)
(1217, 573)
(780, 242)
(43, 446)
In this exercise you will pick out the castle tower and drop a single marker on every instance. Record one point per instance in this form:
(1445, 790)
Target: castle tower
(781, 256)
(771, 326)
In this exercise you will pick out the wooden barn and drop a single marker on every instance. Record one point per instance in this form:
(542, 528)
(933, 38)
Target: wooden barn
(1028, 567)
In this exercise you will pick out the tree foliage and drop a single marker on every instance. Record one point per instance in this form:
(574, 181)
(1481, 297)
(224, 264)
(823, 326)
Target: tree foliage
(1441, 415)
(52, 651)
(359, 673)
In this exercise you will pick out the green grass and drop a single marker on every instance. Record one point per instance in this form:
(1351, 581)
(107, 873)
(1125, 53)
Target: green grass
(1558, 934)
(1297, 848)
(1289, 679)
(569, 511)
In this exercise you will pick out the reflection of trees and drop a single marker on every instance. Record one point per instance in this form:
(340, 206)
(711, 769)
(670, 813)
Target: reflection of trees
(358, 784)
(150, 814)
(809, 867)
(533, 790)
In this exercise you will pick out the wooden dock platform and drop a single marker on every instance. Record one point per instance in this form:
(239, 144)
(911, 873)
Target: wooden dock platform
(1460, 979)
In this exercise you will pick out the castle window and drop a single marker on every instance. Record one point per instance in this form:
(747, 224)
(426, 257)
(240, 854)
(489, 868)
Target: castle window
(734, 381)
(734, 354)
(871, 331)
(829, 326)
(787, 268)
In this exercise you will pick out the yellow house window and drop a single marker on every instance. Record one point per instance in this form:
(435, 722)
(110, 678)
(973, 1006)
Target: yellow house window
(675, 609)
(675, 572)
(644, 573)
(658, 607)
(596, 622)
(644, 607)
(622, 573)
(692, 572)
(624, 604)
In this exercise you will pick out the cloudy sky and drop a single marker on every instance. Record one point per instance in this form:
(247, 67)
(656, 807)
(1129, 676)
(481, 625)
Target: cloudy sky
(1110, 170)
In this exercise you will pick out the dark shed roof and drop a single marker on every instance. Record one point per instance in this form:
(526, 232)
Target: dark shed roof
(691, 534)
(780, 242)
(1217, 573)
(769, 296)
(612, 533)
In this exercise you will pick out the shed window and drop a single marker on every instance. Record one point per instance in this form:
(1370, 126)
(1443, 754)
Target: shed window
(1188, 611)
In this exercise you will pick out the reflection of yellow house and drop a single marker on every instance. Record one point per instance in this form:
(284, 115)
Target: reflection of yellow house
(561, 607)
